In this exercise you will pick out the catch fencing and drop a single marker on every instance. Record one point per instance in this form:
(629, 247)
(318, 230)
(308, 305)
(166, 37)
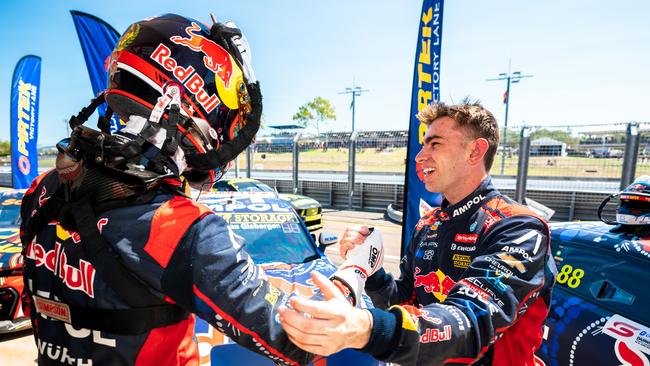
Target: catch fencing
(570, 169)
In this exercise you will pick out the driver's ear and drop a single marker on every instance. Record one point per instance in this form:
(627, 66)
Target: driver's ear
(478, 149)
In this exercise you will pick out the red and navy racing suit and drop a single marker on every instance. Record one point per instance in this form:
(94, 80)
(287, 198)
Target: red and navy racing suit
(182, 252)
(475, 287)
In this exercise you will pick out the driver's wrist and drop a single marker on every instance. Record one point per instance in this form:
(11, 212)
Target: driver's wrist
(364, 329)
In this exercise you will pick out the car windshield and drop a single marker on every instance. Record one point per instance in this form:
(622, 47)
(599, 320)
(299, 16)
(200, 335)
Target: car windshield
(10, 209)
(252, 187)
(270, 235)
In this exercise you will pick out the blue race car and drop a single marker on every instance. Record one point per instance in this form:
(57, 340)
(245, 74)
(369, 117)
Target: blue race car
(600, 313)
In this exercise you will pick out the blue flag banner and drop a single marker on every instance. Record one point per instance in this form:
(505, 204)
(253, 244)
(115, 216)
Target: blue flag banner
(25, 89)
(97, 40)
(426, 89)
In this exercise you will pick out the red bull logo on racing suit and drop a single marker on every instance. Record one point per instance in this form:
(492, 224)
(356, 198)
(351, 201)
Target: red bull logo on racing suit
(436, 283)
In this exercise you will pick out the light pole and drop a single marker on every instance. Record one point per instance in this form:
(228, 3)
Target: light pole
(513, 78)
(355, 91)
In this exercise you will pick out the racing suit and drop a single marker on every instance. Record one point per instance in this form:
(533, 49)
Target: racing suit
(475, 287)
(185, 255)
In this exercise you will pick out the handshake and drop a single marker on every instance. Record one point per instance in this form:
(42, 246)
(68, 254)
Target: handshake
(364, 255)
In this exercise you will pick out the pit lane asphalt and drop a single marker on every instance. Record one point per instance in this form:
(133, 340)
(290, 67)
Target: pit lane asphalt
(19, 349)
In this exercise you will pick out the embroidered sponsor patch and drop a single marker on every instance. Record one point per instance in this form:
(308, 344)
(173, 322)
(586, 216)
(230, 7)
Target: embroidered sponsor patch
(461, 261)
(466, 238)
(52, 309)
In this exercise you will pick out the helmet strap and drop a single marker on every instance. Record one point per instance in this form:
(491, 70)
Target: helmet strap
(104, 122)
(170, 100)
(602, 206)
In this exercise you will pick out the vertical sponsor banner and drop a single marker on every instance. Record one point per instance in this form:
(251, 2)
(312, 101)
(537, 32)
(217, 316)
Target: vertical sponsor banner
(426, 89)
(25, 89)
(97, 39)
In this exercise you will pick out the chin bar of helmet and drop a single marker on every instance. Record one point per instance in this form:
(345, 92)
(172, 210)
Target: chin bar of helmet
(230, 149)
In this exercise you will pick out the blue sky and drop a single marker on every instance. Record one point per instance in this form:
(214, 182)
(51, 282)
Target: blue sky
(589, 58)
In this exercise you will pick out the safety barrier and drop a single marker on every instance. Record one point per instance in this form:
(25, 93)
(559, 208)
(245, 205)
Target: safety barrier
(568, 205)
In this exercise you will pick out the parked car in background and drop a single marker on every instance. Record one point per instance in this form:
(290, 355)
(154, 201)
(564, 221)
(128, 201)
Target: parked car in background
(12, 318)
(308, 208)
(600, 313)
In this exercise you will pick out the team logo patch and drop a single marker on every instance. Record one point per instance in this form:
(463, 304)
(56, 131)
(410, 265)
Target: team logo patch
(436, 283)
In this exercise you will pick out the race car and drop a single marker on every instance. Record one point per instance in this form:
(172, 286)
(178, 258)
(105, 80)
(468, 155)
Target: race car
(12, 318)
(308, 208)
(599, 313)
(278, 240)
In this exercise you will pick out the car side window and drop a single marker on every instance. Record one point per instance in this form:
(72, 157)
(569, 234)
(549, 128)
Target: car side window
(606, 278)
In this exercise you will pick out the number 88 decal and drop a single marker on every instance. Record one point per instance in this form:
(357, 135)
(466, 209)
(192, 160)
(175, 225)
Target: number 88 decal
(570, 276)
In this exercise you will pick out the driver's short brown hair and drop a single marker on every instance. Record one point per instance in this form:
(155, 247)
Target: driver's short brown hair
(472, 117)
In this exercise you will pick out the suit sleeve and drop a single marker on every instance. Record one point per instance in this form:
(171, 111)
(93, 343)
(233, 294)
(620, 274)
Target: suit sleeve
(498, 289)
(211, 275)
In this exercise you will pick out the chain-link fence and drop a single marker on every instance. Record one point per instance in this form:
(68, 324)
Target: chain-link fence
(569, 168)
(381, 152)
(575, 158)
(327, 153)
(376, 153)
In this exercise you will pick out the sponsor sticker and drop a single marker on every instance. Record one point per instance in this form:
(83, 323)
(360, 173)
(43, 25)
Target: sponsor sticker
(635, 335)
(272, 296)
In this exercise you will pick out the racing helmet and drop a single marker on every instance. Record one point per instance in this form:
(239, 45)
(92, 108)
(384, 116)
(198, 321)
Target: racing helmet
(173, 59)
(634, 204)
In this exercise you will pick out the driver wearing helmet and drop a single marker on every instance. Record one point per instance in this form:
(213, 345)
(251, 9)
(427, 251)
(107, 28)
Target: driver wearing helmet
(117, 258)
(633, 211)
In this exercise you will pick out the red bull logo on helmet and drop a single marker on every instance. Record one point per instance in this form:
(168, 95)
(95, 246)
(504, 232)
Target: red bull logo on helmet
(216, 58)
(436, 283)
(192, 81)
(26, 119)
(226, 72)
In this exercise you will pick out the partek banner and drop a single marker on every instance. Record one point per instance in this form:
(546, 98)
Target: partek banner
(97, 39)
(25, 89)
(426, 89)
